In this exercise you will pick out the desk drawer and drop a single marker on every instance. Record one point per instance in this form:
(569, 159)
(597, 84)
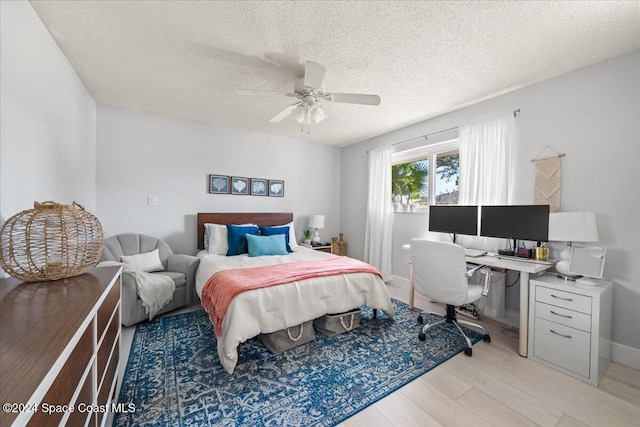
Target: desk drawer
(564, 299)
(563, 316)
(566, 347)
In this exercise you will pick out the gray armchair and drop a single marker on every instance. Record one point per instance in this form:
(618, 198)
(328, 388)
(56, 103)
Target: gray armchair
(180, 268)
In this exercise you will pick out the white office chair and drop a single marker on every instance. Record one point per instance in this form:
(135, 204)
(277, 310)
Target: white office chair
(440, 273)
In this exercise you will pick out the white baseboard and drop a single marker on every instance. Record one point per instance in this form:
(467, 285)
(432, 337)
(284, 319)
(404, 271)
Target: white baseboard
(627, 356)
(512, 318)
(400, 282)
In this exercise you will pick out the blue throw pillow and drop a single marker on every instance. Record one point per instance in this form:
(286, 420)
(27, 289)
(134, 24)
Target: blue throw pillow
(236, 237)
(271, 231)
(267, 245)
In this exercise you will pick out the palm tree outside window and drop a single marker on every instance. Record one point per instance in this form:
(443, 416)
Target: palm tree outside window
(412, 183)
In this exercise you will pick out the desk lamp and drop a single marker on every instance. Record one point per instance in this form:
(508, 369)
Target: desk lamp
(571, 227)
(316, 221)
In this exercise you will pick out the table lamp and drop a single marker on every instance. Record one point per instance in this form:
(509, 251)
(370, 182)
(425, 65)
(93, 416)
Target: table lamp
(316, 221)
(571, 227)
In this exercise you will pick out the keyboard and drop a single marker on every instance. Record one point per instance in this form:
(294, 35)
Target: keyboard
(529, 260)
(474, 253)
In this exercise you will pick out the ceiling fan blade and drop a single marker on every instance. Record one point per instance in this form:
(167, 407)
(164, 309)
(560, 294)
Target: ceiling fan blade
(284, 113)
(354, 98)
(261, 92)
(313, 74)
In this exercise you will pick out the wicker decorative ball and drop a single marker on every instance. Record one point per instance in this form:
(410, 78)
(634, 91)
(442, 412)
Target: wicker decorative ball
(50, 242)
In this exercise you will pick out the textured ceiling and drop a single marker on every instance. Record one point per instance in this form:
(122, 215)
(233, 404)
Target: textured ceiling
(187, 58)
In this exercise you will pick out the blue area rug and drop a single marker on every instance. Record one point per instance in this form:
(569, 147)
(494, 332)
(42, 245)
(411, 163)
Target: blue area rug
(174, 376)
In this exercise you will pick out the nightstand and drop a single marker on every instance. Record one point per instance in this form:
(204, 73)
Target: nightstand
(322, 247)
(570, 326)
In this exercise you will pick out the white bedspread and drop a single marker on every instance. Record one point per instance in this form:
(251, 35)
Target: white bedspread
(278, 307)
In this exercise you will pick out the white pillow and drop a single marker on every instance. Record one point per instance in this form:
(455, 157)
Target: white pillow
(147, 262)
(293, 242)
(216, 238)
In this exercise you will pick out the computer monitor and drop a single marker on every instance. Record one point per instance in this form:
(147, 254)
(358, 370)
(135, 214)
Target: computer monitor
(453, 219)
(518, 222)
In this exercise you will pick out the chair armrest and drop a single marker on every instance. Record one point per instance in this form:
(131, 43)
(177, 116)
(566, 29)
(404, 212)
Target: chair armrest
(187, 265)
(129, 299)
(474, 269)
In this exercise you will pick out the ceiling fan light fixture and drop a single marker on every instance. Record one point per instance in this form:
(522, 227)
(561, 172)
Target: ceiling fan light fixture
(317, 113)
(311, 96)
(299, 112)
(307, 117)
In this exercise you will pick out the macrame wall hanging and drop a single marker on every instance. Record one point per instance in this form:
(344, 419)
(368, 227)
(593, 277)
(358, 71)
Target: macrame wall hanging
(547, 179)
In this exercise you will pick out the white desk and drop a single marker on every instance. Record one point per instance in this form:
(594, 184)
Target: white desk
(525, 268)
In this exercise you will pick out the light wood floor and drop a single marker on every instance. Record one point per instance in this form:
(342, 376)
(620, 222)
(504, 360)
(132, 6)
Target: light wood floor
(494, 387)
(497, 387)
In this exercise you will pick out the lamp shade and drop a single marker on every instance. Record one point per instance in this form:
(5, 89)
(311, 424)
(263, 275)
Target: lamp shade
(316, 221)
(573, 227)
(317, 114)
(298, 113)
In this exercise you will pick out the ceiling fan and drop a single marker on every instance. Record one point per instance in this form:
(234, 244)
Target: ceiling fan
(309, 90)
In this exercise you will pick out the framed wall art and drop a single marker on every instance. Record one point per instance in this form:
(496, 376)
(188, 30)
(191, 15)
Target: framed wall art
(218, 184)
(239, 185)
(276, 188)
(258, 187)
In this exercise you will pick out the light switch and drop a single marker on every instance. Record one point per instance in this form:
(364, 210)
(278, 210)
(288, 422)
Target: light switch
(152, 200)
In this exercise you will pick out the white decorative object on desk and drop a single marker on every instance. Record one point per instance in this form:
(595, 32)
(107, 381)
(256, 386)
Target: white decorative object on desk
(571, 227)
(316, 221)
(587, 261)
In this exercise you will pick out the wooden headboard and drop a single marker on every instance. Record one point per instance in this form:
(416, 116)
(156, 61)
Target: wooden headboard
(258, 218)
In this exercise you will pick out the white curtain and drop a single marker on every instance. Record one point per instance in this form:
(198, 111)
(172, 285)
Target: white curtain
(486, 152)
(377, 240)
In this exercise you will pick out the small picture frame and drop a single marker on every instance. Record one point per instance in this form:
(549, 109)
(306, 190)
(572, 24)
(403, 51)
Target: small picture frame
(239, 185)
(258, 187)
(218, 184)
(276, 188)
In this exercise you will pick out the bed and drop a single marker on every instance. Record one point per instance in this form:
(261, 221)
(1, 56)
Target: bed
(285, 305)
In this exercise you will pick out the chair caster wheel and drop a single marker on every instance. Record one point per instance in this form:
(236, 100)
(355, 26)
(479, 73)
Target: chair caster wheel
(487, 338)
(422, 336)
(420, 319)
(468, 352)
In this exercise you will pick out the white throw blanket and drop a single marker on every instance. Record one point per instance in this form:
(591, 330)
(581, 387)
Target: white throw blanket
(154, 290)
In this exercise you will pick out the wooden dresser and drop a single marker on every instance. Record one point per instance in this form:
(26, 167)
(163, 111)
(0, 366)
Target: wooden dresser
(59, 349)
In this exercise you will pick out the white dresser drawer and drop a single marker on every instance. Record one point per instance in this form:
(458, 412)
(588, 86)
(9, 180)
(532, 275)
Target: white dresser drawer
(567, 300)
(563, 316)
(560, 345)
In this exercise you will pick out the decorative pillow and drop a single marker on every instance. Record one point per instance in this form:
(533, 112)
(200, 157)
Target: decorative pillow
(271, 231)
(267, 245)
(293, 242)
(237, 240)
(216, 239)
(147, 262)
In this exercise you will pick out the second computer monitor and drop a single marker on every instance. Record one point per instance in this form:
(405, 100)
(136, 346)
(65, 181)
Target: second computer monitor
(520, 222)
(453, 219)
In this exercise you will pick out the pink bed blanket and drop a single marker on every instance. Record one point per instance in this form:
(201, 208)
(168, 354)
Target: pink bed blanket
(225, 285)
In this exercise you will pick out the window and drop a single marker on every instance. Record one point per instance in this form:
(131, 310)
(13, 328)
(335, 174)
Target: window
(447, 177)
(413, 181)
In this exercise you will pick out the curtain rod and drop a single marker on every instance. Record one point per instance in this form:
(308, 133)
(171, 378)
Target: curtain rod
(426, 136)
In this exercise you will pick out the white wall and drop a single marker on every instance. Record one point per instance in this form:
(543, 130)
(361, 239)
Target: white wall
(592, 115)
(47, 118)
(141, 154)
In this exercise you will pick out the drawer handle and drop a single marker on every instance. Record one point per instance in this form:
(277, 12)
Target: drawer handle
(564, 336)
(563, 299)
(561, 315)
